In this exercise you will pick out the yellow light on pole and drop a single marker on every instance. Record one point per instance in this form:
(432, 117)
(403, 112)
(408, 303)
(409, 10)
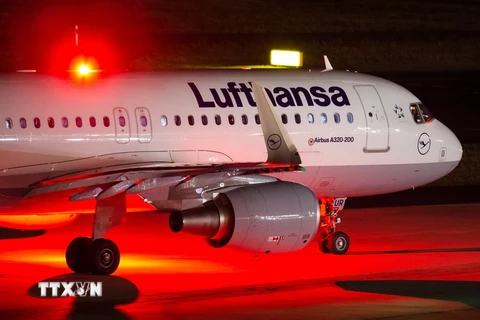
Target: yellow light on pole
(287, 58)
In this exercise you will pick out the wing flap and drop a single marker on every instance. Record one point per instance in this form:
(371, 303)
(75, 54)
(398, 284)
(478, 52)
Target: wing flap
(144, 180)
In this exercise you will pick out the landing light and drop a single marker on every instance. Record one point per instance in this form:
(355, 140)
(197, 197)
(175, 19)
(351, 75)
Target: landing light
(286, 58)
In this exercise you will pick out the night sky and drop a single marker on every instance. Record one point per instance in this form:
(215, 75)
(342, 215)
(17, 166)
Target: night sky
(150, 34)
(40, 34)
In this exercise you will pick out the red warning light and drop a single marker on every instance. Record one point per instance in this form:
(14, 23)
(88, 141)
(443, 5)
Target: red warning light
(84, 69)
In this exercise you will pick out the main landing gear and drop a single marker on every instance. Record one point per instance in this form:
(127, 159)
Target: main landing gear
(332, 241)
(97, 255)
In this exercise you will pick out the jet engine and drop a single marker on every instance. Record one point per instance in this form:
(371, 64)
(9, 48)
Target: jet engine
(265, 218)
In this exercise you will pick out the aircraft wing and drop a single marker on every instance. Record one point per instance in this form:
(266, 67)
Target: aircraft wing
(105, 182)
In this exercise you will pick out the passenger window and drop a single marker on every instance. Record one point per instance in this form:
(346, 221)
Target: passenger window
(163, 121)
(257, 119)
(177, 120)
(191, 120)
(310, 117)
(244, 119)
(143, 121)
(65, 122)
(93, 122)
(121, 121)
(204, 120)
(23, 123)
(323, 118)
(106, 122)
(36, 123)
(231, 119)
(50, 122)
(8, 123)
(218, 120)
(79, 122)
(336, 117)
(298, 119)
(350, 117)
(284, 118)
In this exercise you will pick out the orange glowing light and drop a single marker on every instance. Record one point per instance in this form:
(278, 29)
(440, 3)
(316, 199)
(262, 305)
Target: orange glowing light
(84, 69)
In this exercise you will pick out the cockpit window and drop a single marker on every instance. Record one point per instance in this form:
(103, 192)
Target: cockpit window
(420, 113)
(427, 115)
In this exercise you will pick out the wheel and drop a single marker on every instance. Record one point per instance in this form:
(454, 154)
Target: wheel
(338, 242)
(323, 242)
(105, 257)
(323, 246)
(77, 255)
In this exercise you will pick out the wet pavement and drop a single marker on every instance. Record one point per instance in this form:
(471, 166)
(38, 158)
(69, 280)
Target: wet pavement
(407, 262)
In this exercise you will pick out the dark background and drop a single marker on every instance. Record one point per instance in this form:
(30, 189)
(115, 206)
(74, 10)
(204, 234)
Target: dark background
(430, 47)
(369, 35)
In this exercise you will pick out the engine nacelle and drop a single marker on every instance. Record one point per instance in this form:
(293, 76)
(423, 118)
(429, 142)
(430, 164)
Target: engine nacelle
(36, 222)
(266, 218)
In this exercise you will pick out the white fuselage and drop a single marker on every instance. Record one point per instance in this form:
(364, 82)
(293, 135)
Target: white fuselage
(376, 146)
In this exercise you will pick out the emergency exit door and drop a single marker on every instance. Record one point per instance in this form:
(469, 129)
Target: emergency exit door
(376, 119)
(122, 125)
(144, 125)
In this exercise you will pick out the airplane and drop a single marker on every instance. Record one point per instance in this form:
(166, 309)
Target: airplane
(261, 160)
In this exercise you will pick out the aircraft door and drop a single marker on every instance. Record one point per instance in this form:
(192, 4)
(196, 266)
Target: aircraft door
(376, 119)
(122, 125)
(144, 125)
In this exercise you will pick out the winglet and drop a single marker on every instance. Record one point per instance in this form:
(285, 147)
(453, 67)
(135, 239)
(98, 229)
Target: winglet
(280, 147)
(328, 65)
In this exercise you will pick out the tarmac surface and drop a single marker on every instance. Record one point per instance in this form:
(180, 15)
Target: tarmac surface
(412, 262)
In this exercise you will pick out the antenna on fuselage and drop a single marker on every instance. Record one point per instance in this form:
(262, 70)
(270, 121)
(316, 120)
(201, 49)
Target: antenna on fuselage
(76, 35)
(328, 65)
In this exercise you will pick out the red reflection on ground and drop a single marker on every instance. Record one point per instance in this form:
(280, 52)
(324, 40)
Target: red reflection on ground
(180, 275)
(59, 202)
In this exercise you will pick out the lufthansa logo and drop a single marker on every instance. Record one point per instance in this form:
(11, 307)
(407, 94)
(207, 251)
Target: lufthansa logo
(424, 143)
(274, 142)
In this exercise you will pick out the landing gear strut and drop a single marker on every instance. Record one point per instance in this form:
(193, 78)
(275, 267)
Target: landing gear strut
(332, 241)
(97, 255)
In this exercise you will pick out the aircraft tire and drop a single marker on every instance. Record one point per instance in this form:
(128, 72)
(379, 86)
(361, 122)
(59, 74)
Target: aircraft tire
(323, 246)
(77, 254)
(323, 243)
(105, 257)
(338, 242)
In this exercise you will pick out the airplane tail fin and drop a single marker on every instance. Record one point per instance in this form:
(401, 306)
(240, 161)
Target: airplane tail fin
(328, 65)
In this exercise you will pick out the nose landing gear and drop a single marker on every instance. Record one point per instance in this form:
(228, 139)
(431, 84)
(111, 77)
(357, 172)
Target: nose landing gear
(332, 241)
